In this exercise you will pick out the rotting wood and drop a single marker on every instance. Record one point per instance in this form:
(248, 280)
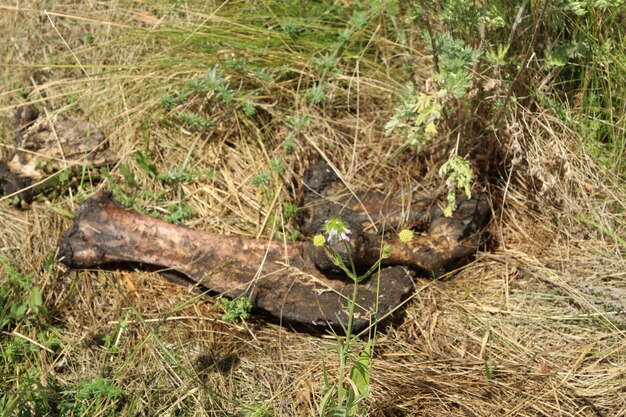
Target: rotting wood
(291, 281)
(48, 145)
(440, 243)
(279, 278)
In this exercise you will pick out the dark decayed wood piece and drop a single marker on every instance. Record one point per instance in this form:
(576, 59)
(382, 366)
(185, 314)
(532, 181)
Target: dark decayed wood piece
(279, 278)
(47, 145)
(440, 243)
(293, 281)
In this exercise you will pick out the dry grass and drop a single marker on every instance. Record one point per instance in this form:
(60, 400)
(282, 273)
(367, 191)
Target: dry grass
(533, 327)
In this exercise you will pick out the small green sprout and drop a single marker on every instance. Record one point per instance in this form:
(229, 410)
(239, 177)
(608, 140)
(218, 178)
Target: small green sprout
(277, 165)
(316, 94)
(298, 123)
(289, 144)
(262, 178)
(386, 252)
(179, 213)
(248, 109)
(195, 121)
(290, 210)
(293, 235)
(235, 310)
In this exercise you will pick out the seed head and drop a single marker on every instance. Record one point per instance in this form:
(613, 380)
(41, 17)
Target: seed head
(405, 235)
(386, 253)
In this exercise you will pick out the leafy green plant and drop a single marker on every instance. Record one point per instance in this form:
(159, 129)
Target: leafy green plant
(143, 160)
(90, 397)
(195, 121)
(346, 395)
(455, 60)
(17, 350)
(459, 176)
(24, 333)
(293, 235)
(296, 125)
(261, 179)
(235, 310)
(184, 174)
(20, 300)
(416, 117)
(31, 399)
(175, 99)
(8, 404)
(277, 165)
(316, 94)
(179, 213)
(419, 113)
(290, 210)
(128, 175)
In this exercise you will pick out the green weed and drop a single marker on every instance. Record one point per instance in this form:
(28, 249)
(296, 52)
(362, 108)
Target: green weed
(235, 310)
(91, 397)
(195, 121)
(290, 210)
(20, 300)
(459, 173)
(346, 395)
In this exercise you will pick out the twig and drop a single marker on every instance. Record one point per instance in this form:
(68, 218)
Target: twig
(34, 342)
(481, 44)
(431, 36)
(525, 62)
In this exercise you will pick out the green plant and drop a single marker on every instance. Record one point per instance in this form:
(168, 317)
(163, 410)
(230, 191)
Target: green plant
(346, 395)
(8, 404)
(459, 173)
(277, 165)
(20, 300)
(142, 158)
(175, 99)
(416, 117)
(316, 94)
(296, 125)
(455, 60)
(183, 175)
(91, 397)
(31, 399)
(290, 210)
(179, 213)
(25, 332)
(235, 310)
(261, 179)
(293, 235)
(195, 121)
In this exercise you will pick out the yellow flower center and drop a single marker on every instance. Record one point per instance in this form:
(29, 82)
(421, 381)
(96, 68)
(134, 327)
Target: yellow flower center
(319, 241)
(405, 235)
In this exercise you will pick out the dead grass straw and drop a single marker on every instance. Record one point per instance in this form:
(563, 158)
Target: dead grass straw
(533, 327)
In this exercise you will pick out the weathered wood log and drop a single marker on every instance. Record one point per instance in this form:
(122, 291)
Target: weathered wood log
(440, 243)
(293, 281)
(279, 278)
